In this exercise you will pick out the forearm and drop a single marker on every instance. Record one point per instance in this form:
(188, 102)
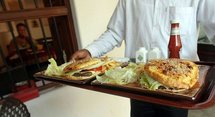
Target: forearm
(106, 42)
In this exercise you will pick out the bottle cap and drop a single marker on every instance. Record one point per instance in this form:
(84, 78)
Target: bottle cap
(174, 21)
(142, 49)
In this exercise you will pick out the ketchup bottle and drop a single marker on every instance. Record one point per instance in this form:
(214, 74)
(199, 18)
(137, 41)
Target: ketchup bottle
(175, 45)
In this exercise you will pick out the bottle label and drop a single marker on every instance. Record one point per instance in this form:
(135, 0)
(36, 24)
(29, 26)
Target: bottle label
(175, 31)
(140, 58)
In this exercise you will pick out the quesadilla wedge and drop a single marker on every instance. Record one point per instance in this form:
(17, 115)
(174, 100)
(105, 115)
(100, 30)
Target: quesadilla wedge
(170, 74)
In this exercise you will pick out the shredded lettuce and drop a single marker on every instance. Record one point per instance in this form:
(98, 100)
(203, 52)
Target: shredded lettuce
(119, 75)
(148, 82)
(53, 69)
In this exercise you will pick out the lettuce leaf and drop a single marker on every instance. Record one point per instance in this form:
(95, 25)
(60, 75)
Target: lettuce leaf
(53, 69)
(119, 75)
(148, 82)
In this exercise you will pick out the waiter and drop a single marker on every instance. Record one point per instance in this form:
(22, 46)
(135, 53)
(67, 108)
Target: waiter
(147, 23)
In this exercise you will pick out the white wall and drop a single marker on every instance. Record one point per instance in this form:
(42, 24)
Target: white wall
(91, 18)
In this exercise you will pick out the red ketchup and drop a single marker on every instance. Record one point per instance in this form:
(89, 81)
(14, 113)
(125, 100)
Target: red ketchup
(175, 45)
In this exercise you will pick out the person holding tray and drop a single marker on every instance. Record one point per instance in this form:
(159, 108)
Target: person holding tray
(146, 23)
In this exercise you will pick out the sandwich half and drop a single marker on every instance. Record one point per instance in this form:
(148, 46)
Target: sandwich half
(88, 68)
(170, 74)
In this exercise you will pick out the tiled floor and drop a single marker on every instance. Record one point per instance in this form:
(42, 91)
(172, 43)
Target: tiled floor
(203, 113)
(69, 101)
(75, 102)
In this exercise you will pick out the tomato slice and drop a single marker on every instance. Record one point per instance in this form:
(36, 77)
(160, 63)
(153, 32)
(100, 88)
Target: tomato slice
(96, 69)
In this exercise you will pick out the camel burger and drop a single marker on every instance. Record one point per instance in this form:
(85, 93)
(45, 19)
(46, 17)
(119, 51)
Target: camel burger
(169, 74)
(88, 68)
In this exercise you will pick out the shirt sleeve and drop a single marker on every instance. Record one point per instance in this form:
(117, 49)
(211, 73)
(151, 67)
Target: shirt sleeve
(114, 34)
(206, 16)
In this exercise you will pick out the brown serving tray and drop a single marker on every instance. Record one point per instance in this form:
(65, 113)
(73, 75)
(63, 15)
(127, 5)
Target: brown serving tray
(205, 98)
(191, 94)
(58, 78)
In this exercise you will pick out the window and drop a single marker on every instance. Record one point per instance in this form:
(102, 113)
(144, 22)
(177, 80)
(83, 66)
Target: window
(50, 30)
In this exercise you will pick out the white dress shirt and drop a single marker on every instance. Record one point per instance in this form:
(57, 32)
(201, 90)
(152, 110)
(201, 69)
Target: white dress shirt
(146, 23)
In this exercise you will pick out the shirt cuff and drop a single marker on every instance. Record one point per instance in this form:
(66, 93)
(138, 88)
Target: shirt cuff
(93, 51)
